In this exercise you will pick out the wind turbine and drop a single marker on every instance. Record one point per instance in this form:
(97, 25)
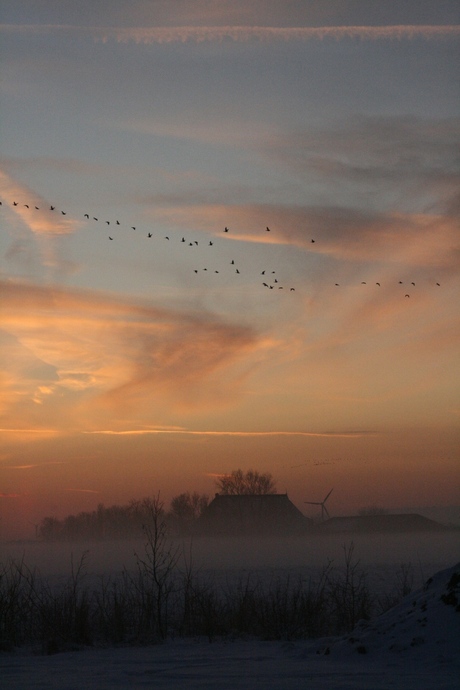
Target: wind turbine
(324, 511)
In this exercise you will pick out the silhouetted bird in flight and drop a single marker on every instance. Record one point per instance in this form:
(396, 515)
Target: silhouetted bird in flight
(15, 203)
(63, 213)
(110, 238)
(108, 222)
(413, 284)
(86, 215)
(438, 284)
(94, 218)
(363, 282)
(26, 205)
(52, 208)
(313, 241)
(210, 243)
(118, 222)
(378, 284)
(132, 227)
(267, 229)
(406, 295)
(225, 229)
(149, 234)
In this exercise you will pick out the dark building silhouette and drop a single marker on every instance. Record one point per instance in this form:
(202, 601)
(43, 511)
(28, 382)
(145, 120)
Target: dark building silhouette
(403, 522)
(249, 514)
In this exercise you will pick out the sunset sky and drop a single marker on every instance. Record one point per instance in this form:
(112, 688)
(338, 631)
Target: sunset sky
(140, 364)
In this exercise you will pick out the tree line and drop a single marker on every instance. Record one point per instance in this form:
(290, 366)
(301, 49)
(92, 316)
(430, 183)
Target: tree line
(123, 521)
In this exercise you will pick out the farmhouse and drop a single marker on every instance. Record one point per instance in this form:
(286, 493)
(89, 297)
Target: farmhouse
(264, 514)
(404, 522)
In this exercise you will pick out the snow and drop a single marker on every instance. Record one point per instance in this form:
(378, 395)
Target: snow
(415, 645)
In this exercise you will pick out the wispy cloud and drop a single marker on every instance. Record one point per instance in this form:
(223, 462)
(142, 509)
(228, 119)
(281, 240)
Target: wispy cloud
(242, 434)
(113, 354)
(30, 466)
(238, 34)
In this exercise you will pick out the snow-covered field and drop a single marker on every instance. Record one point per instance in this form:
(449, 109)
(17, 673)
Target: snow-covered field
(415, 645)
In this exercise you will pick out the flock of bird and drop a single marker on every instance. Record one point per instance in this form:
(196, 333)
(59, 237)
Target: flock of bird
(271, 284)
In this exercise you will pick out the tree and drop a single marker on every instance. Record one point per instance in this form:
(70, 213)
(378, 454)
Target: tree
(186, 508)
(251, 482)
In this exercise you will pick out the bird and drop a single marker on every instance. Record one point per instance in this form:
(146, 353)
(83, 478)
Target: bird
(292, 289)
(86, 215)
(15, 203)
(313, 241)
(108, 222)
(232, 262)
(64, 213)
(265, 284)
(118, 222)
(400, 282)
(94, 218)
(363, 282)
(337, 284)
(183, 239)
(263, 273)
(37, 208)
(413, 284)
(438, 284)
(149, 234)
(110, 238)
(166, 237)
(210, 243)
(406, 295)
(225, 229)
(26, 205)
(237, 271)
(52, 208)
(267, 229)
(378, 284)
(132, 227)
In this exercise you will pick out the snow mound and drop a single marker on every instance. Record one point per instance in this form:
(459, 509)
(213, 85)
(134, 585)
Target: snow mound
(425, 625)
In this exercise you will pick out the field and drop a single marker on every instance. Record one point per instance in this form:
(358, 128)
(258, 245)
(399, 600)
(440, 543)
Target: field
(321, 612)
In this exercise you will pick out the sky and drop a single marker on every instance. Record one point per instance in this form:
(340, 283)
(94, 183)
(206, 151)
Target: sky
(144, 348)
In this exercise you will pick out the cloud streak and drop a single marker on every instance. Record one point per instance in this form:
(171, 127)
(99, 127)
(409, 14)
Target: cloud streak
(238, 34)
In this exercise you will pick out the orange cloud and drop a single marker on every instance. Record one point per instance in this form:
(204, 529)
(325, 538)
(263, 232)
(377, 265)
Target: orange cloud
(90, 351)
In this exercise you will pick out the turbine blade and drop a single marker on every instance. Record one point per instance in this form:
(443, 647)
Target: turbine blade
(328, 495)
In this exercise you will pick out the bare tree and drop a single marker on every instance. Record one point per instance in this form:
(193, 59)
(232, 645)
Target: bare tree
(251, 482)
(186, 508)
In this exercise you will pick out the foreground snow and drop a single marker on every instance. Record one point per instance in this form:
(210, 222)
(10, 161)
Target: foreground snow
(415, 645)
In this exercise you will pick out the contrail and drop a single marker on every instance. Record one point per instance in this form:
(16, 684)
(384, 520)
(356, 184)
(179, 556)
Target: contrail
(240, 34)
